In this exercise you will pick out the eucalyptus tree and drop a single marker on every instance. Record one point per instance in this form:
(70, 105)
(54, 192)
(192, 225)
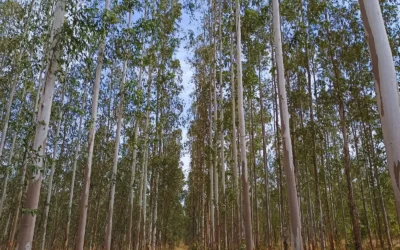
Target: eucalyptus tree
(386, 88)
(27, 225)
(245, 185)
(52, 169)
(116, 151)
(92, 132)
(295, 220)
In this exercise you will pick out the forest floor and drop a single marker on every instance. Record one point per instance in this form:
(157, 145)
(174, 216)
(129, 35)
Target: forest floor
(182, 247)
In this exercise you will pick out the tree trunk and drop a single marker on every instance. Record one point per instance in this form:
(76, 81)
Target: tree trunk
(234, 136)
(245, 184)
(222, 138)
(255, 203)
(72, 187)
(146, 155)
(131, 191)
(27, 226)
(107, 241)
(362, 190)
(80, 239)
(347, 161)
(295, 220)
(386, 88)
(51, 177)
(211, 171)
(19, 202)
(265, 161)
(154, 229)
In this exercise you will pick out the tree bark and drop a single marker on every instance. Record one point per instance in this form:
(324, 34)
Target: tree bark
(72, 187)
(386, 88)
(265, 160)
(80, 239)
(295, 219)
(245, 184)
(28, 220)
(51, 177)
(234, 136)
(120, 113)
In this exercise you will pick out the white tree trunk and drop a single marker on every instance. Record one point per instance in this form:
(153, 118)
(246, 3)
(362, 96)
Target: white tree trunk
(132, 181)
(155, 213)
(211, 171)
(107, 243)
(72, 187)
(51, 177)
(246, 198)
(386, 88)
(28, 220)
(146, 153)
(222, 139)
(234, 136)
(80, 239)
(133, 171)
(295, 220)
(215, 151)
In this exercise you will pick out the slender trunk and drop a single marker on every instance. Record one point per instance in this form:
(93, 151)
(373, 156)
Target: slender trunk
(352, 206)
(339, 177)
(9, 165)
(381, 201)
(255, 203)
(347, 161)
(154, 229)
(51, 177)
(278, 155)
(295, 220)
(140, 209)
(4, 236)
(80, 239)
(314, 156)
(93, 236)
(131, 191)
(107, 241)
(265, 161)
(211, 171)
(386, 88)
(133, 169)
(19, 202)
(234, 136)
(146, 155)
(221, 93)
(72, 186)
(362, 191)
(245, 185)
(27, 226)
(370, 152)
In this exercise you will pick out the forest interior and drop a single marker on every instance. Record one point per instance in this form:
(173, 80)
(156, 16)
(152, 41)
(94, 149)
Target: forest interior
(199, 124)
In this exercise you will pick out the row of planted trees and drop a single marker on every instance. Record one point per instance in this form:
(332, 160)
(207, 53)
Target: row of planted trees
(90, 114)
(323, 179)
